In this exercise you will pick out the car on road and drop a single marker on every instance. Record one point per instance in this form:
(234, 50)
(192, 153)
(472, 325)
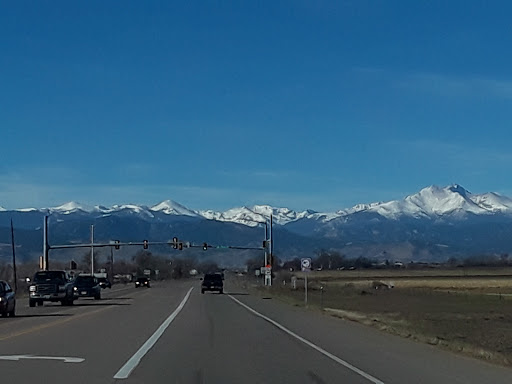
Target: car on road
(87, 286)
(142, 282)
(7, 300)
(51, 286)
(212, 282)
(104, 282)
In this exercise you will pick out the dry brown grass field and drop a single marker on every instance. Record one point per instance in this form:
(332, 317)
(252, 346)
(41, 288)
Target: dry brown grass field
(468, 311)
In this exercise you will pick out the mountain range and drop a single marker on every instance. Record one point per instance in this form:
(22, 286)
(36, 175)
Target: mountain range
(435, 223)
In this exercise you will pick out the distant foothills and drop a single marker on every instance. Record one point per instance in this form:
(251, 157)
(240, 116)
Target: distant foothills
(435, 224)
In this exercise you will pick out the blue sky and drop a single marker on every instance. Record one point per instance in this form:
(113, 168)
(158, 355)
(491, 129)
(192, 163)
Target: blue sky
(303, 104)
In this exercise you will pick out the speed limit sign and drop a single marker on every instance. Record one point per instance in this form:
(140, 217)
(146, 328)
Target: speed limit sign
(305, 264)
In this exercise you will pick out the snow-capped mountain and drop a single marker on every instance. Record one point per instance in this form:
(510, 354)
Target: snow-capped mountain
(257, 214)
(493, 202)
(434, 223)
(241, 215)
(71, 207)
(170, 207)
(435, 202)
(432, 202)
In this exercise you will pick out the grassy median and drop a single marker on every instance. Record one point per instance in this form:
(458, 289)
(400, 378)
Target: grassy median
(468, 311)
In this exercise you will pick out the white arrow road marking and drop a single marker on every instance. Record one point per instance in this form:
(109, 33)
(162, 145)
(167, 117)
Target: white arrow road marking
(32, 357)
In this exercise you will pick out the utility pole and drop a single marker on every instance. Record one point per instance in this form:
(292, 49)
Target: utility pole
(92, 249)
(14, 258)
(111, 264)
(45, 265)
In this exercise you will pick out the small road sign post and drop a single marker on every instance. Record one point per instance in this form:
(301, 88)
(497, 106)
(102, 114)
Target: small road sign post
(305, 265)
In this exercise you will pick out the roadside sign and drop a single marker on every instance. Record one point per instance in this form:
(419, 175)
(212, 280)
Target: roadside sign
(305, 264)
(147, 272)
(257, 272)
(268, 271)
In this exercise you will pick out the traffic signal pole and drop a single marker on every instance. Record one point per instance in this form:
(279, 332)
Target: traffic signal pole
(46, 248)
(271, 261)
(266, 242)
(92, 250)
(116, 244)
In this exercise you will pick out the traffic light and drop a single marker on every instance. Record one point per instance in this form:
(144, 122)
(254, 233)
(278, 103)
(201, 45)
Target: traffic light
(264, 243)
(73, 265)
(175, 242)
(205, 246)
(117, 244)
(145, 244)
(180, 246)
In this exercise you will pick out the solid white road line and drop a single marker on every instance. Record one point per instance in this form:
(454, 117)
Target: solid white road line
(131, 364)
(367, 376)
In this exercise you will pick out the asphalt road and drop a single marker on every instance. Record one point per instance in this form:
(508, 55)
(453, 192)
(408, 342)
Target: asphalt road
(172, 334)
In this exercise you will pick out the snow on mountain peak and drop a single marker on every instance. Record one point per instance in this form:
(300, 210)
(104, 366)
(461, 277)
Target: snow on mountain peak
(434, 201)
(430, 202)
(241, 215)
(493, 202)
(72, 206)
(2, 209)
(170, 207)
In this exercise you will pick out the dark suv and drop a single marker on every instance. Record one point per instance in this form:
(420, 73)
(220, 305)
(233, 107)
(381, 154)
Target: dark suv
(87, 286)
(212, 282)
(51, 286)
(142, 282)
(7, 300)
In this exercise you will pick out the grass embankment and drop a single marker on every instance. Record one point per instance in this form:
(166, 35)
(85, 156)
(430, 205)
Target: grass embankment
(465, 311)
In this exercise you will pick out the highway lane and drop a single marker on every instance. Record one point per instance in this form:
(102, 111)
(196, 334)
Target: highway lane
(105, 333)
(51, 313)
(214, 339)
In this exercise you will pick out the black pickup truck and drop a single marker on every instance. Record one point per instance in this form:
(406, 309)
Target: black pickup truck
(51, 286)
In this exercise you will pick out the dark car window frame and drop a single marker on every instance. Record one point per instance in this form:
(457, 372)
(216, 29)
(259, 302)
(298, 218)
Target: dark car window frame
(41, 277)
(86, 280)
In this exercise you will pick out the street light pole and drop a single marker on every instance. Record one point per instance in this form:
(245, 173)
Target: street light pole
(111, 263)
(14, 258)
(92, 250)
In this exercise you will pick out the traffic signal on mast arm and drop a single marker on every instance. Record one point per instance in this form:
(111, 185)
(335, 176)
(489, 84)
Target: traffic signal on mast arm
(180, 246)
(205, 246)
(145, 242)
(175, 242)
(117, 244)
